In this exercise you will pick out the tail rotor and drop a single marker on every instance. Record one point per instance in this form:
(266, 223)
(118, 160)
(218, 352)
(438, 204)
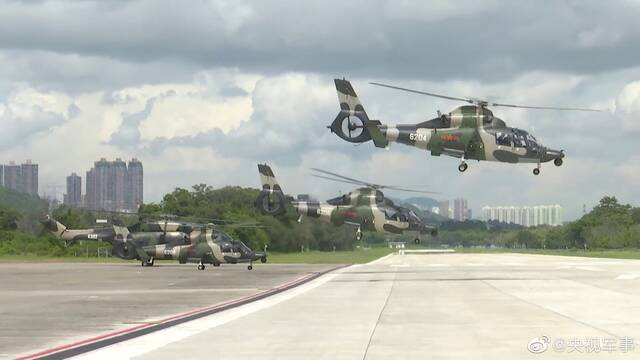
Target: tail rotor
(352, 123)
(271, 200)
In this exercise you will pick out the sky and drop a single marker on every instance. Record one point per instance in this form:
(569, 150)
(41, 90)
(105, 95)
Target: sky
(202, 91)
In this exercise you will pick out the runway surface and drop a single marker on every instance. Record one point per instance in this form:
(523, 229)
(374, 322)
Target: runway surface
(435, 306)
(48, 304)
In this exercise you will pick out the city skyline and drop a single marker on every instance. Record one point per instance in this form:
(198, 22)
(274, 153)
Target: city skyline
(459, 212)
(524, 215)
(20, 177)
(109, 185)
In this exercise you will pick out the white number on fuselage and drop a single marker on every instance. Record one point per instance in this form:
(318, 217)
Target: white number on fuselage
(417, 137)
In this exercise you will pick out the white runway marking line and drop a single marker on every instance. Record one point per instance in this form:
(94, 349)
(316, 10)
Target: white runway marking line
(588, 268)
(438, 265)
(476, 264)
(628, 277)
(512, 264)
(147, 343)
(399, 265)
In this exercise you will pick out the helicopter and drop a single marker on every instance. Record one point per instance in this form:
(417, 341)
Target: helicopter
(181, 241)
(469, 132)
(366, 208)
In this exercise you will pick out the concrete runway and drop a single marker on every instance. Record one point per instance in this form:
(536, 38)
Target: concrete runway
(448, 306)
(436, 306)
(48, 304)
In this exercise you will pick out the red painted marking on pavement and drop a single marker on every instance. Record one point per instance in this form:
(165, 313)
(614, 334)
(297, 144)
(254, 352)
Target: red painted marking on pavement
(171, 318)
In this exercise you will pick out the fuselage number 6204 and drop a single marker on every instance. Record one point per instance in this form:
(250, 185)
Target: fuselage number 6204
(417, 137)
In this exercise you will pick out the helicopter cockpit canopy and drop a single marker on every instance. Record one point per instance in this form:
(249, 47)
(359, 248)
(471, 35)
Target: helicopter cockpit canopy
(239, 246)
(340, 200)
(400, 214)
(413, 218)
(393, 213)
(517, 138)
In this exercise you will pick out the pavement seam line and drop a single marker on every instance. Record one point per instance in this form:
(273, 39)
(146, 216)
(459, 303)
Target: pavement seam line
(550, 310)
(386, 301)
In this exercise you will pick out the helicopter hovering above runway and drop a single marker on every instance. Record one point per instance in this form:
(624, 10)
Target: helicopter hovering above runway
(469, 132)
(165, 240)
(365, 208)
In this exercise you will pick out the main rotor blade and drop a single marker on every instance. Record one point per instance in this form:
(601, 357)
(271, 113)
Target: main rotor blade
(409, 190)
(376, 186)
(544, 107)
(470, 101)
(208, 220)
(345, 177)
(484, 102)
(338, 180)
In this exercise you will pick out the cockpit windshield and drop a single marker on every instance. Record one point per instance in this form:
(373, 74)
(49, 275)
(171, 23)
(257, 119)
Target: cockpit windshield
(239, 246)
(391, 213)
(340, 200)
(413, 217)
(503, 138)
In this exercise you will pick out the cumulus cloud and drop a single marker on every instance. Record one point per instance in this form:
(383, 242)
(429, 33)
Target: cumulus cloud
(27, 113)
(201, 93)
(410, 39)
(627, 106)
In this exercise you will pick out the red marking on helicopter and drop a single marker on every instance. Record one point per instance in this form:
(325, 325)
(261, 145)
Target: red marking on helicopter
(350, 214)
(449, 137)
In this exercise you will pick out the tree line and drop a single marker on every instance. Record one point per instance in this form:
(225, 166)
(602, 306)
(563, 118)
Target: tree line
(609, 225)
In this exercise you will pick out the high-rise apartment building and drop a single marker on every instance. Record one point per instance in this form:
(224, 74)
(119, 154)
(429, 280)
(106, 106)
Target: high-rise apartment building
(90, 200)
(460, 210)
(444, 208)
(114, 186)
(117, 187)
(29, 175)
(73, 197)
(525, 215)
(22, 178)
(12, 176)
(135, 184)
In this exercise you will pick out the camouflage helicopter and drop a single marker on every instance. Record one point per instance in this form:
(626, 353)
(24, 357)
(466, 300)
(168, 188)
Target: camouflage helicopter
(469, 132)
(184, 242)
(365, 208)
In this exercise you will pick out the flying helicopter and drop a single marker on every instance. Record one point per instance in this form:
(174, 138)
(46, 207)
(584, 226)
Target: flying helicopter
(165, 240)
(366, 208)
(469, 132)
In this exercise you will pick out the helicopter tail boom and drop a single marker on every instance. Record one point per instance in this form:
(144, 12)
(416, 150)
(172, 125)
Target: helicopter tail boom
(352, 123)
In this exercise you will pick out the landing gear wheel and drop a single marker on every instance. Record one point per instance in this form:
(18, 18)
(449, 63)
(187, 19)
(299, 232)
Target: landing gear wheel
(250, 267)
(200, 267)
(463, 167)
(536, 171)
(416, 240)
(263, 259)
(216, 264)
(557, 162)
